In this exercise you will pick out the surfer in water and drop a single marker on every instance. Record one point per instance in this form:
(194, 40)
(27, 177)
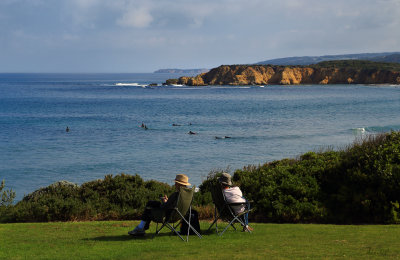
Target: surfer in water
(144, 126)
(224, 137)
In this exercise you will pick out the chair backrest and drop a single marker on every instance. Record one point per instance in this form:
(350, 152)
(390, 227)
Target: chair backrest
(183, 204)
(219, 201)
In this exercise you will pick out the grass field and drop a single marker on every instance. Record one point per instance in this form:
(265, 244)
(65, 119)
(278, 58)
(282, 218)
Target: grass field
(109, 240)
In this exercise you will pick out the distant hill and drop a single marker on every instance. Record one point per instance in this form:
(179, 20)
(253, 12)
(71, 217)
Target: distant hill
(308, 60)
(189, 71)
(387, 58)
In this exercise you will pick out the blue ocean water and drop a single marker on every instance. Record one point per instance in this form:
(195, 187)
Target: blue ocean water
(105, 137)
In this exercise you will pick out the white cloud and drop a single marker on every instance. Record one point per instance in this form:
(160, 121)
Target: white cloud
(138, 18)
(86, 3)
(208, 31)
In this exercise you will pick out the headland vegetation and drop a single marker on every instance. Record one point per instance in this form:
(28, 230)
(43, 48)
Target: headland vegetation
(326, 72)
(358, 184)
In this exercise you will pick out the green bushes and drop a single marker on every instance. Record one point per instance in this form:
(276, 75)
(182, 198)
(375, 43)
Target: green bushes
(115, 197)
(358, 65)
(360, 184)
(365, 187)
(6, 200)
(283, 191)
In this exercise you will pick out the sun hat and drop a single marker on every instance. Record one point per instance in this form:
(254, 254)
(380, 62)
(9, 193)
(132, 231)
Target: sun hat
(225, 179)
(182, 179)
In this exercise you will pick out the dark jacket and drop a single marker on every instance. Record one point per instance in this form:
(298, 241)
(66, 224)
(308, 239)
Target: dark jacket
(171, 202)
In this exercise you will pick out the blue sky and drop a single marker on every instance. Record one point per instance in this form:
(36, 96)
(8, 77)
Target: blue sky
(143, 36)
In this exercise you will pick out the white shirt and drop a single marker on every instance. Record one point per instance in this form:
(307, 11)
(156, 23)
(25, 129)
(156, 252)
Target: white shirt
(234, 195)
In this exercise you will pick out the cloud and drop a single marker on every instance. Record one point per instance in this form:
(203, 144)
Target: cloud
(86, 3)
(197, 32)
(137, 18)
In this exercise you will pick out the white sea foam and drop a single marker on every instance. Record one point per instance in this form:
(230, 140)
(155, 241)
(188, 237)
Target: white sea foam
(131, 84)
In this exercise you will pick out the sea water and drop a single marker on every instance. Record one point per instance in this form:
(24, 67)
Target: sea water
(105, 134)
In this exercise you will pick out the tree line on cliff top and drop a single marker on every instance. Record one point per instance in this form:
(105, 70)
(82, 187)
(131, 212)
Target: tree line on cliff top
(358, 184)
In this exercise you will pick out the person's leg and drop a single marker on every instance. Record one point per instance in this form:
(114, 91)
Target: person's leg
(246, 218)
(147, 213)
(145, 219)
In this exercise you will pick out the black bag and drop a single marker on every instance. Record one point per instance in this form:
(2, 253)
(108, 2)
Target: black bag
(194, 222)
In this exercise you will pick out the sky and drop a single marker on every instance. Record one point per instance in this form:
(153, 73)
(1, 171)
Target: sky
(124, 36)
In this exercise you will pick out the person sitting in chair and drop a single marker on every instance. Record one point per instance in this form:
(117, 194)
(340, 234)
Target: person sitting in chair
(181, 180)
(234, 195)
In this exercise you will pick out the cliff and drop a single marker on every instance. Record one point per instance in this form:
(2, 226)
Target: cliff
(326, 73)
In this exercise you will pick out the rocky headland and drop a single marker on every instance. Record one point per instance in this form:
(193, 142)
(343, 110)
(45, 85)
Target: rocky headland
(332, 72)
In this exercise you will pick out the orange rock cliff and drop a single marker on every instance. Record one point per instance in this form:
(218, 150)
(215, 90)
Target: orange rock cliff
(288, 75)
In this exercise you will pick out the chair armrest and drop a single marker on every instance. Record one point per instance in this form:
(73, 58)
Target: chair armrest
(236, 203)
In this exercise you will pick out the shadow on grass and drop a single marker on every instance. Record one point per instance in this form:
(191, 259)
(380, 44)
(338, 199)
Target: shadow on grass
(145, 237)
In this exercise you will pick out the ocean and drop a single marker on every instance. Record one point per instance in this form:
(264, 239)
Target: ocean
(104, 113)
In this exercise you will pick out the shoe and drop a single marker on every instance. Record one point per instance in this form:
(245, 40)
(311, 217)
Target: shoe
(137, 232)
(247, 229)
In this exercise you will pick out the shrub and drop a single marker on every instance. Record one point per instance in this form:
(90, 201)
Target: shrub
(115, 197)
(6, 201)
(365, 187)
(359, 184)
(282, 191)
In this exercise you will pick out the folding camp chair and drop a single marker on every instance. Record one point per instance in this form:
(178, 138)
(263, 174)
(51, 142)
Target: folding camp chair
(177, 214)
(225, 211)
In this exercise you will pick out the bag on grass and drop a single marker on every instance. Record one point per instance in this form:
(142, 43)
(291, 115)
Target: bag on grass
(194, 222)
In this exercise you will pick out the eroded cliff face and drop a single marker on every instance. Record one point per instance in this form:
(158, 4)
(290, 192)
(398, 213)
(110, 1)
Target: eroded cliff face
(281, 75)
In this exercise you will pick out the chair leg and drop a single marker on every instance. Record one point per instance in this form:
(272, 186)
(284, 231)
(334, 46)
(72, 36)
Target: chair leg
(232, 224)
(215, 220)
(195, 231)
(190, 227)
(158, 230)
(190, 218)
(174, 230)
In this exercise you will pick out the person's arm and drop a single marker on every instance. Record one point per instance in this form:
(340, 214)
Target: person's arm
(171, 201)
(164, 199)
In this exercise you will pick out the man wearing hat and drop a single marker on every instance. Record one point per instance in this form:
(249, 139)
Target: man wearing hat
(234, 195)
(181, 180)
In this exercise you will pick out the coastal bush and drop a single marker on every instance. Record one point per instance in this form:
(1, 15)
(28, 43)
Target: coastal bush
(358, 65)
(283, 191)
(6, 199)
(365, 187)
(115, 197)
(358, 184)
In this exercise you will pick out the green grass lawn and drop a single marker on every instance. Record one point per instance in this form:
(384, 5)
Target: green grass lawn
(109, 240)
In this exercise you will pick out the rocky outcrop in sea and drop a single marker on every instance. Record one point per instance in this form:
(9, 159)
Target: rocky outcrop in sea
(290, 75)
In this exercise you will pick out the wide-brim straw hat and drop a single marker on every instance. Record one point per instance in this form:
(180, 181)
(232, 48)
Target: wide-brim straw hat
(225, 179)
(182, 179)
